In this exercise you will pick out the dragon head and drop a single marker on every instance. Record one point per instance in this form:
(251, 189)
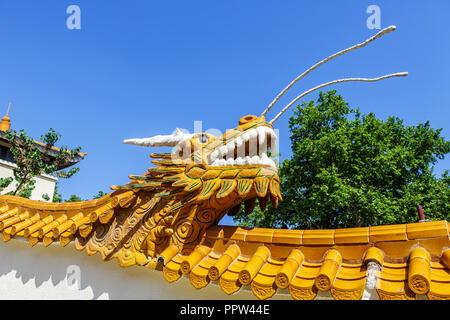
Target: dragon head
(207, 176)
(233, 165)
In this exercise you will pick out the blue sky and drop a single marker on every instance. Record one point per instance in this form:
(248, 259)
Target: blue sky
(141, 68)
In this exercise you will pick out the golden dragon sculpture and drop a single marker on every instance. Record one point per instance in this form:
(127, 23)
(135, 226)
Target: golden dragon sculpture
(168, 208)
(167, 219)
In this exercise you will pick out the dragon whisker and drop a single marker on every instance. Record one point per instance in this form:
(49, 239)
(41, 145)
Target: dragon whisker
(357, 46)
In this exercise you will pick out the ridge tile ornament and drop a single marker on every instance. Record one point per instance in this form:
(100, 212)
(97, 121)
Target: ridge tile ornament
(166, 219)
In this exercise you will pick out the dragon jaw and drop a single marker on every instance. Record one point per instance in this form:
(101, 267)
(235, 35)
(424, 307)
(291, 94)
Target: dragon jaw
(233, 168)
(247, 144)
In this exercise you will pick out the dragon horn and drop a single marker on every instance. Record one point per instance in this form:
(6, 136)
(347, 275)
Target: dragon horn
(357, 46)
(400, 74)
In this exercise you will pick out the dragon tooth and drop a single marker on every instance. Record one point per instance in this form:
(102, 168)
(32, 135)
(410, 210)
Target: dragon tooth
(263, 202)
(274, 201)
(241, 151)
(253, 148)
(230, 162)
(253, 143)
(222, 162)
(264, 157)
(267, 161)
(223, 151)
(238, 142)
(271, 163)
(261, 135)
(245, 137)
(247, 160)
(230, 145)
(214, 155)
(230, 153)
(234, 211)
(254, 160)
(249, 205)
(239, 161)
(263, 148)
(273, 134)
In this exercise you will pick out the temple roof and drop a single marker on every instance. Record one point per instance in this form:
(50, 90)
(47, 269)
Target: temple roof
(406, 260)
(51, 152)
(5, 125)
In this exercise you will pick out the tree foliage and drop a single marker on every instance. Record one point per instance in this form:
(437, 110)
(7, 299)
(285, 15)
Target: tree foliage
(57, 197)
(31, 161)
(351, 170)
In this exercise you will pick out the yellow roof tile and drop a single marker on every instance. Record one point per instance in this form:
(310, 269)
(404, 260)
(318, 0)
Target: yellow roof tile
(262, 235)
(228, 282)
(235, 234)
(394, 290)
(172, 266)
(264, 280)
(307, 272)
(351, 273)
(303, 289)
(435, 245)
(397, 249)
(390, 274)
(237, 266)
(348, 290)
(432, 229)
(413, 257)
(439, 290)
(440, 275)
(387, 233)
(270, 269)
(352, 285)
(207, 262)
(215, 232)
(303, 282)
(292, 237)
(351, 236)
(318, 237)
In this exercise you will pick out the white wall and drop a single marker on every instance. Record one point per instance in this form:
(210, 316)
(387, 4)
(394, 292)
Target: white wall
(45, 184)
(45, 273)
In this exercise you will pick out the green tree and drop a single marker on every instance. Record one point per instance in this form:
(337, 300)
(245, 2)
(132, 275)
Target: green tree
(57, 197)
(351, 170)
(31, 161)
(100, 194)
(73, 198)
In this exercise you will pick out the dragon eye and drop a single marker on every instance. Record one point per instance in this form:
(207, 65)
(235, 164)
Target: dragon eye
(203, 138)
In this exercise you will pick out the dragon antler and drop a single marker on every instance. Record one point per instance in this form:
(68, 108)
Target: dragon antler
(357, 46)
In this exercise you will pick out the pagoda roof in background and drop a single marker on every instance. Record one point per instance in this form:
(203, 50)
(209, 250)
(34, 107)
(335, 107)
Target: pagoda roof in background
(52, 152)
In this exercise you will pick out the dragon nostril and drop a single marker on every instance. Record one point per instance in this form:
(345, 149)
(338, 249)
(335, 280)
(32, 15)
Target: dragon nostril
(247, 118)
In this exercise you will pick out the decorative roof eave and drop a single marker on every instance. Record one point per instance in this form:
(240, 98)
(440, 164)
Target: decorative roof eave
(395, 261)
(51, 152)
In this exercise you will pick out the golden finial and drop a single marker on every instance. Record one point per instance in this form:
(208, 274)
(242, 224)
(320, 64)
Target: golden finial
(5, 124)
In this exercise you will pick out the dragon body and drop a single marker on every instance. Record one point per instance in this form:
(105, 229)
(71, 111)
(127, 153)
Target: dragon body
(166, 210)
